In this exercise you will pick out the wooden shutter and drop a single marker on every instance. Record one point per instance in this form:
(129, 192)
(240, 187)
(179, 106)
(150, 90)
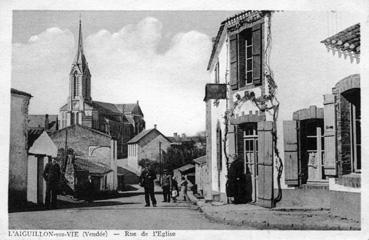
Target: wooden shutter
(239, 140)
(291, 165)
(265, 164)
(219, 148)
(329, 159)
(257, 54)
(231, 140)
(242, 59)
(233, 45)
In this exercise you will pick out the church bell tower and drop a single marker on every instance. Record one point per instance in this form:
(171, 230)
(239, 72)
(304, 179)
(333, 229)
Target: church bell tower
(79, 82)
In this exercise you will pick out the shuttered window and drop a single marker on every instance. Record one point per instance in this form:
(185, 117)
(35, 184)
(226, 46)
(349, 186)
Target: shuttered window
(219, 148)
(246, 57)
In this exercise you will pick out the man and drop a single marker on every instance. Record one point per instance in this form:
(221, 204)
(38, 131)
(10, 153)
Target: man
(51, 176)
(147, 181)
(166, 183)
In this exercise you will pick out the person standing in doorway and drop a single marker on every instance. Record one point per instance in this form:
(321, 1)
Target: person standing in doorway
(51, 176)
(147, 181)
(166, 183)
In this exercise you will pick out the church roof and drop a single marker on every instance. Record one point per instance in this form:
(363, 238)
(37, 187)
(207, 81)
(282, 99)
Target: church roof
(130, 108)
(106, 107)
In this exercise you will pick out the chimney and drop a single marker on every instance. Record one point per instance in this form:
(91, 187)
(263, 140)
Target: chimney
(137, 102)
(175, 135)
(155, 126)
(183, 136)
(46, 127)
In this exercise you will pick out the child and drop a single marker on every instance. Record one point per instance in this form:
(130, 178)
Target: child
(174, 190)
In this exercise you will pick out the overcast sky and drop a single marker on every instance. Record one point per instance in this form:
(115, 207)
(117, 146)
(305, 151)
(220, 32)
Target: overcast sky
(158, 58)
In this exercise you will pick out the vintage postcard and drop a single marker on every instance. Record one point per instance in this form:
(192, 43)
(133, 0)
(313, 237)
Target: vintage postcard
(153, 121)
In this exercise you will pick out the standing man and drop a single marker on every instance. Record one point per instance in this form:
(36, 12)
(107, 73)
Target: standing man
(166, 183)
(51, 176)
(147, 181)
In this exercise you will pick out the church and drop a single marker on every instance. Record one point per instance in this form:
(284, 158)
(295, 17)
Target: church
(121, 121)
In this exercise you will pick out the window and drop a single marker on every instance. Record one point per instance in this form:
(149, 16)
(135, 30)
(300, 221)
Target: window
(76, 84)
(246, 57)
(248, 61)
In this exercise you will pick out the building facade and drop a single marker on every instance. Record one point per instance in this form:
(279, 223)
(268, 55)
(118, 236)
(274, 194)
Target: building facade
(121, 121)
(149, 144)
(17, 196)
(252, 54)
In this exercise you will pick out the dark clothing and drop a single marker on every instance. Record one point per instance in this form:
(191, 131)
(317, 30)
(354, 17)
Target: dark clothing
(147, 181)
(52, 176)
(166, 193)
(166, 183)
(237, 185)
(90, 191)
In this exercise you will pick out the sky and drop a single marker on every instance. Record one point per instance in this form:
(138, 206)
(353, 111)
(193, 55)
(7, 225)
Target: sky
(158, 58)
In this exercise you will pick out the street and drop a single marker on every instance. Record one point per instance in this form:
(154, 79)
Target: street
(127, 212)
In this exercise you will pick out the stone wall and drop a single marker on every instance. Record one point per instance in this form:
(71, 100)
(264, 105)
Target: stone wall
(151, 149)
(18, 150)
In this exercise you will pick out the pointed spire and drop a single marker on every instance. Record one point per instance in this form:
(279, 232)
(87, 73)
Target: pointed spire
(80, 59)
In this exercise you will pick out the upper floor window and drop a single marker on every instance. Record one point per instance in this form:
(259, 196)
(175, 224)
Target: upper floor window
(246, 57)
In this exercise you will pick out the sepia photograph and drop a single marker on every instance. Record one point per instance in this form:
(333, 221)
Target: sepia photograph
(166, 120)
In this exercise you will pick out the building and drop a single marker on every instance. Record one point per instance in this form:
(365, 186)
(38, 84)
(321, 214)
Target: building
(37, 124)
(121, 121)
(251, 54)
(95, 154)
(17, 196)
(41, 151)
(149, 144)
(327, 141)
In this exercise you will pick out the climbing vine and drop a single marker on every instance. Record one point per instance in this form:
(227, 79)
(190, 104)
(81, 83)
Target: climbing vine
(265, 103)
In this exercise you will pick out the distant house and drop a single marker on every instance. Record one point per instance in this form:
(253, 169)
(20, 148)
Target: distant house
(17, 196)
(198, 141)
(149, 144)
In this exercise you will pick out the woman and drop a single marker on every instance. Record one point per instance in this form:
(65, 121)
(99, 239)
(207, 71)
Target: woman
(174, 189)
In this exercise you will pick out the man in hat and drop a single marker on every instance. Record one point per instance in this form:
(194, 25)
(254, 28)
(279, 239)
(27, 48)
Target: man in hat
(166, 183)
(147, 181)
(52, 177)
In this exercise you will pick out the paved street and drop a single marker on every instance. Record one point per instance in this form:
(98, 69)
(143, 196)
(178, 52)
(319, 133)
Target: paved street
(126, 212)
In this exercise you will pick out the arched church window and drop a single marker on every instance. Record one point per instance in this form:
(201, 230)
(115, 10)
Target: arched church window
(75, 85)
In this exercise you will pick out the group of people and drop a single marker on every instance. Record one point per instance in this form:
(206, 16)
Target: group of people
(168, 183)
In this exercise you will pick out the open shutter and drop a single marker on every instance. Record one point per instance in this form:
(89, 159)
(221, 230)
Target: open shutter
(239, 139)
(265, 164)
(290, 153)
(233, 43)
(257, 54)
(219, 147)
(329, 159)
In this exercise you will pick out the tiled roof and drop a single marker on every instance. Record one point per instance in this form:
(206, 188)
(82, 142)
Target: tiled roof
(15, 91)
(346, 40)
(200, 160)
(186, 167)
(94, 168)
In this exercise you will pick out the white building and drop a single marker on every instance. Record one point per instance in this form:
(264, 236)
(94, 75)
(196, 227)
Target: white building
(272, 64)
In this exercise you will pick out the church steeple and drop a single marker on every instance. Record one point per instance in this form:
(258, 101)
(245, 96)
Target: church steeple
(80, 77)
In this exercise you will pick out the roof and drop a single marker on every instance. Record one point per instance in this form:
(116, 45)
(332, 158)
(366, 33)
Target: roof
(144, 133)
(106, 107)
(38, 121)
(81, 126)
(124, 171)
(200, 160)
(94, 168)
(186, 167)
(44, 146)
(15, 91)
(346, 40)
(239, 18)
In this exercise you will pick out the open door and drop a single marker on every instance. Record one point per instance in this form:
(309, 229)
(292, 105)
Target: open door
(265, 164)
